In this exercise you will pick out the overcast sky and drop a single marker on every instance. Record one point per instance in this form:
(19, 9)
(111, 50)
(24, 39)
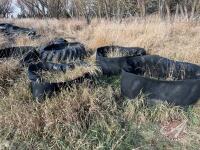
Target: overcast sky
(16, 9)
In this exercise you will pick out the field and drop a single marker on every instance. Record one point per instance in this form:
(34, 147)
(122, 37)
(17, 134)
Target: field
(98, 117)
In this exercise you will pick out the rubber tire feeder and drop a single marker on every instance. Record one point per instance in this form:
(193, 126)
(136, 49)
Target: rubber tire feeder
(60, 50)
(181, 92)
(113, 66)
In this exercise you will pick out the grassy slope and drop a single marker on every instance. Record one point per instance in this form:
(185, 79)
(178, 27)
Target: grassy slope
(98, 117)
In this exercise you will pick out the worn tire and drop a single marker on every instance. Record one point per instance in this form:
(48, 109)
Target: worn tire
(60, 50)
(41, 89)
(184, 91)
(113, 66)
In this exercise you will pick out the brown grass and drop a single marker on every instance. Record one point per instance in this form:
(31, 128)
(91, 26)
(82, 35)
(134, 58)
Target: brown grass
(95, 118)
(9, 73)
(173, 39)
(78, 71)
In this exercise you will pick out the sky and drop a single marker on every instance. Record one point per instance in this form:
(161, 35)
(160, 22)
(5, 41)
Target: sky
(16, 9)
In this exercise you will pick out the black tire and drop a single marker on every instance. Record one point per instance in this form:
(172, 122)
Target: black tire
(183, 91)
(113, 66)
(41, 89)
(60, 50)
(10, 29)
(15, 51)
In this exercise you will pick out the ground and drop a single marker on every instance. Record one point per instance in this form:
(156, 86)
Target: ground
(98, 117)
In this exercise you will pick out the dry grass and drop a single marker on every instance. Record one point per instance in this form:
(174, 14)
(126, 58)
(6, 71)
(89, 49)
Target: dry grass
(173, 39)
(3, 41)
(98, 117)
(9, 73)
(115, 52)
(71, 74)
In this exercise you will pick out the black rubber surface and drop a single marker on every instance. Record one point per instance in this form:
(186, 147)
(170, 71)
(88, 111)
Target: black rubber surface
(41, 88)
(182, 90)
(31, 58)
(15, 51)
(26, 54)
(159, 78)
(10, 29)
(113, 66)
(60, 50)
(37, 62)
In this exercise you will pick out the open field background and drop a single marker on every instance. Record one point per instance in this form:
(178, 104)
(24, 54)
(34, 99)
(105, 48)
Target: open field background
(98, 117)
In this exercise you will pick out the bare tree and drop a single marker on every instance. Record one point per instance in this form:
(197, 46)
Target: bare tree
(142, 7)
(5, 8)
(43, 8)
(108, 8)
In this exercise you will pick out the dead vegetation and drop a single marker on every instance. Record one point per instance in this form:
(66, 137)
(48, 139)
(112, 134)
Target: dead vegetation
(98, 117)
(9, 73)
(71, 74)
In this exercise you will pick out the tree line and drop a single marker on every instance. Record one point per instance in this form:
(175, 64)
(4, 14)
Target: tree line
(5, 8)
(101, 8)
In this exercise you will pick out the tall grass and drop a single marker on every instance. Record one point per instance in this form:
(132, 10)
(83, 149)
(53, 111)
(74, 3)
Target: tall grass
(96, 116)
